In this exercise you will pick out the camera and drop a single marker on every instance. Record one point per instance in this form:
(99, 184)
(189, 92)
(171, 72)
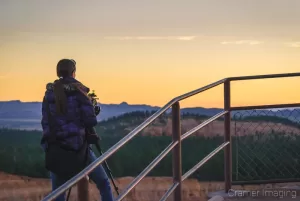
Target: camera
(97, 110)
(94, 99)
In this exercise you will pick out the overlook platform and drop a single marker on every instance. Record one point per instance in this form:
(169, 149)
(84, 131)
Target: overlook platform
(269, 155)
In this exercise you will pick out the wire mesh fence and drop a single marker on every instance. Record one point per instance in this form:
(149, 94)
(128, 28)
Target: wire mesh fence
(266, 144)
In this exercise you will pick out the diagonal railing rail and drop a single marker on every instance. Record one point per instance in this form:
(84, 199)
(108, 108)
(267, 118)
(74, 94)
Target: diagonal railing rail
(176, 144)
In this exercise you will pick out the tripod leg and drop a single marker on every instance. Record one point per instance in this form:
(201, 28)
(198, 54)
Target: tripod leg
(107, 169)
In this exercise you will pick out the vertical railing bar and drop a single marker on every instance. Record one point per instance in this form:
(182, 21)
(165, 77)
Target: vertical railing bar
(227, 138)
(177, 169)
(236, 152)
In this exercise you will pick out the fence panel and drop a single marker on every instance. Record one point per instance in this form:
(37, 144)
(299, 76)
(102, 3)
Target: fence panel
(266, 144)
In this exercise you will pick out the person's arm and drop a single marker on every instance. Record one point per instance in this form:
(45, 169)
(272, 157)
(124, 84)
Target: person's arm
(44, 121)
(87, 110)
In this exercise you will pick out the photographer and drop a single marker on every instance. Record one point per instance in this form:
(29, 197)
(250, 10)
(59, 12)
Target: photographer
(67, 113)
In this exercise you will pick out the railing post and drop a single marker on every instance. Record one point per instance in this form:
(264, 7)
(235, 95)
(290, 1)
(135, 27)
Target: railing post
(177, 169)
(83, 189)
(227, 127)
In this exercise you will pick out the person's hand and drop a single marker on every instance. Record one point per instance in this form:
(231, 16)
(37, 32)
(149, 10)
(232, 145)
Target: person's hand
(97, 110)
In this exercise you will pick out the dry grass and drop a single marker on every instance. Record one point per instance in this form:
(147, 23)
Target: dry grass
(16, 188)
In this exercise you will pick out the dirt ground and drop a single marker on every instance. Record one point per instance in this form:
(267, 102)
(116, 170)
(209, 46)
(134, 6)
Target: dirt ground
(19, 188)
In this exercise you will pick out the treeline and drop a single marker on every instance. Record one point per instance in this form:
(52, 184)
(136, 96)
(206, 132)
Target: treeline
(272, 156)
(273, 119)
(259, 156)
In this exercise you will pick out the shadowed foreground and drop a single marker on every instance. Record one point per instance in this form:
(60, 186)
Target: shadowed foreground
(20, 188)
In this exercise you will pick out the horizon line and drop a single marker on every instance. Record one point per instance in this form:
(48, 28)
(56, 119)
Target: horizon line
(123, 102)
(154, 106)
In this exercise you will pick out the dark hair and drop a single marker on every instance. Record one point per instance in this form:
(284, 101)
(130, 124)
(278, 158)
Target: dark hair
(60, 97)
(65, 67)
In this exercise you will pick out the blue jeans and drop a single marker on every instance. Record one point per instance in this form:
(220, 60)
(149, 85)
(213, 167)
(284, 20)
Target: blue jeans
(98, 176)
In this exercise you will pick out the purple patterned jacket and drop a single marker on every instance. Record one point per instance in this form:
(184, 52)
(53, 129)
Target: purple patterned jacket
(70, 128)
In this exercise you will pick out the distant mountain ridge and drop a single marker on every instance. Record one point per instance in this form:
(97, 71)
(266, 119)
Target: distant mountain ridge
(27, 111)
(32, 110)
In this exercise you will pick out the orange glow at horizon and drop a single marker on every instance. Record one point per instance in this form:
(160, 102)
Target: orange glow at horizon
(130, 57)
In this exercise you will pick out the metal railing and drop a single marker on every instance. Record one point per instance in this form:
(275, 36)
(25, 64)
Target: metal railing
(175, 146)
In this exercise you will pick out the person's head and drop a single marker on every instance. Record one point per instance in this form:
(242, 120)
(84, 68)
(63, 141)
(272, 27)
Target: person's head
(66, 68)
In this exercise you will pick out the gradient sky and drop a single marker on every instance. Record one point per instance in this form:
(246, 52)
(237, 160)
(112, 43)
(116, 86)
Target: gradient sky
(149, 51)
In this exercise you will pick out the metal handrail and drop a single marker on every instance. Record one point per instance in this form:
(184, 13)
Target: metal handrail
(193, 130)
(169, 191)
(123, 141)
(148, 121)
(269, 76)
(204, 160)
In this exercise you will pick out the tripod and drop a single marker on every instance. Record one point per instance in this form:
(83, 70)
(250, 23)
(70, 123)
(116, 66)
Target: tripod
(94, 139)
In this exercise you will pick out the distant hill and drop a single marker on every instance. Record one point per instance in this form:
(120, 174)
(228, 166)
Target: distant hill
(27, 115)
(32, 110)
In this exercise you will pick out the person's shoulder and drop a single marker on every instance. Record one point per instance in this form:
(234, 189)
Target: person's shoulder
(48, 94)
(72, 87)
(49, 86)
(49, 91)
(72, 84)
(80, 87)
(81, 91)
(68, 87)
